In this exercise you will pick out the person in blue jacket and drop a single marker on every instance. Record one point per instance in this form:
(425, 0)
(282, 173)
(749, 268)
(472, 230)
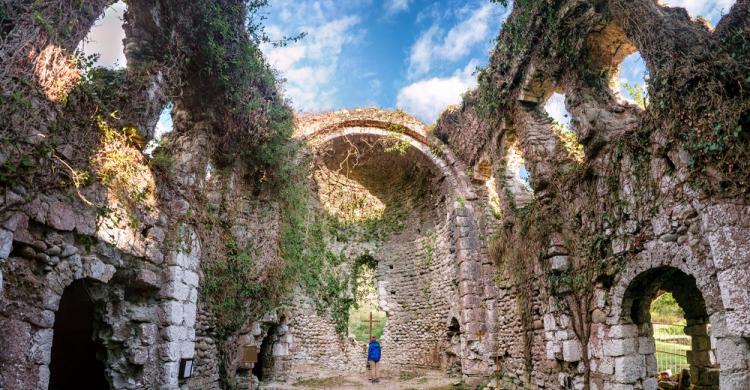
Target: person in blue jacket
(373, 357)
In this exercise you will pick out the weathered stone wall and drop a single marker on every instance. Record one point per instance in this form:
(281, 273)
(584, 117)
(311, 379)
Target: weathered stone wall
(415, 284)
(552, 284)
(417, 267)
(598, 238)
(253, 223)
(146, 315)
(206, 374)
(87, 204)
(315, 346)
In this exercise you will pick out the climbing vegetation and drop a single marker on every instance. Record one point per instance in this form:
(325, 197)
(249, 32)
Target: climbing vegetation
(638, 94)
(121, 167)
(515, 267)
(569, 142)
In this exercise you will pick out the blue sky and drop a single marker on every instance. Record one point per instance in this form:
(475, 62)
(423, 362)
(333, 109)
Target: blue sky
(416, 55)
(412, 54)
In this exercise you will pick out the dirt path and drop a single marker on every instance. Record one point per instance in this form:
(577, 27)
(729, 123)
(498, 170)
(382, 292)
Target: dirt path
(390, 379)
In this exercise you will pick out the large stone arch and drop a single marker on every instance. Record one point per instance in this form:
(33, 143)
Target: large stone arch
(322, 128)
(457, 249)
(682, 260)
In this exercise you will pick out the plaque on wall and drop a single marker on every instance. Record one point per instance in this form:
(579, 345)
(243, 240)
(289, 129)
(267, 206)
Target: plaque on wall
(249, 355)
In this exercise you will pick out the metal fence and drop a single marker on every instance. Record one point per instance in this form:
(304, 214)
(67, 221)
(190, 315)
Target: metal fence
(672, 345)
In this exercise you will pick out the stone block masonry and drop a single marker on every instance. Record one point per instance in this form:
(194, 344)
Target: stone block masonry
(551, 279)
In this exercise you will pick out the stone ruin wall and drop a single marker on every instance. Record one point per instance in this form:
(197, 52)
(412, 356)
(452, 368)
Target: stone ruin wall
(417, 289)
(671, 234)
(139, 261)
(145, 288)
(420, 297)
(145, 295)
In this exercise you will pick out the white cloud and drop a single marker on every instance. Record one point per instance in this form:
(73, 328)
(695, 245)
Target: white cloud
(465, 35)
(283, 58)
(396, 6)
(426, 99)
(555, 107)
(632, 70)
(105, 38)
(423, 51)
(709, 9)
(310, 66)
(457, 42)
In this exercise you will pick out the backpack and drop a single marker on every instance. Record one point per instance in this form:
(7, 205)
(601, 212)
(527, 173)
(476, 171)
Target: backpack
(373, 352)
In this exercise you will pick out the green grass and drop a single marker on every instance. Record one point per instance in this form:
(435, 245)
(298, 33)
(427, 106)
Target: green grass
(662, 331)
(359, 327)
(665, 309)
(670, 362)
(672, 343)
(671, 347)
(325, 383)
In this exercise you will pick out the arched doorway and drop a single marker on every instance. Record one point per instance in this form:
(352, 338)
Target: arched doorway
(75, 364)
(700, 366)
(366, 317)
(263, 369)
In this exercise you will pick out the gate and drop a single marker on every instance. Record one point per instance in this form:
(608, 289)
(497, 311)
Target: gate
(672, 345)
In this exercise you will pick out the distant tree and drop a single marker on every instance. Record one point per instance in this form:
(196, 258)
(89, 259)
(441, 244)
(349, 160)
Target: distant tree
(665, 309)
(504, 3)
(637, 93)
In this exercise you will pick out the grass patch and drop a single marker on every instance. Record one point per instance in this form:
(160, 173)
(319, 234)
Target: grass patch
(359, 327)
(408, 375)
(664, 331)
(324, 383)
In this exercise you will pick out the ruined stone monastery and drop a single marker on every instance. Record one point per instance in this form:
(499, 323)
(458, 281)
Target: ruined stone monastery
(246, 225)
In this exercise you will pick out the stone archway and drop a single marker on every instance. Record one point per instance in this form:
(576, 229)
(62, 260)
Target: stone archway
(264, 368)
(428, 265)
(76, 361)
(623, 344)
(644, 288)
(324, 128)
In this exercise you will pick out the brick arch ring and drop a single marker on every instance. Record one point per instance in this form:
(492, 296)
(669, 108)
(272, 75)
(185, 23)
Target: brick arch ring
(319, 129)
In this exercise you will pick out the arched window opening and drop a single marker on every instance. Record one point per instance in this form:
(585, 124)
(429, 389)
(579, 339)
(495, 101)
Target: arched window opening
(163, 127)
(516, 181)
(104, 40)
(366, 318)
(562, 126)
(76, 361)
(613, 54)
(555, 108)
(673, 328)
(524, 175)
(631, 80)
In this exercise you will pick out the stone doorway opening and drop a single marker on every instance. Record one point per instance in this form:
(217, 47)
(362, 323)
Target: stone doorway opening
(263, 369)
(700, 367)
(366, 316)
(76, 355)
(452, 359)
